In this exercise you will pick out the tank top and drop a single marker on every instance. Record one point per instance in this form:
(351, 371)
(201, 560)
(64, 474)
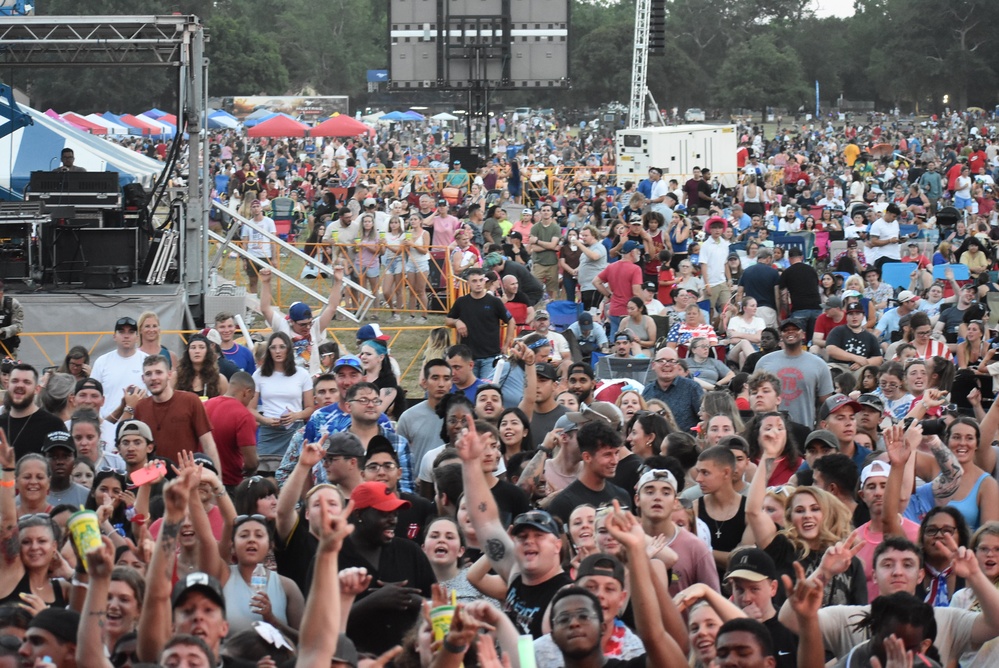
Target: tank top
(638, 329)
(678, 246)
(24, 587)
(725, 534)
(237, 595)
(968, 506)
(745, 195)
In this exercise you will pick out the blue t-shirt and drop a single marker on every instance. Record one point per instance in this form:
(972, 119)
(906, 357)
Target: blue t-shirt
(241, 357)
(470, 390)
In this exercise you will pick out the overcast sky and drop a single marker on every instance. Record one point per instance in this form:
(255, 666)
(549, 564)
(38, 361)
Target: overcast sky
(834, 7)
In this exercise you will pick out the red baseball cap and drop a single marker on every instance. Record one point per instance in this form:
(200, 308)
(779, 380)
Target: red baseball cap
(378, 496)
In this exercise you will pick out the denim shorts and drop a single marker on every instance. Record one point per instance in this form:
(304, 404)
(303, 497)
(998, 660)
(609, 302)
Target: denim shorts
(393, 266)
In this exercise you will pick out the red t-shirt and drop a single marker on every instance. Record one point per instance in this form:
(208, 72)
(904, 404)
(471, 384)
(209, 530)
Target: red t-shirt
(824, 324)
(233, 427)
(176, 424)
(620, 277)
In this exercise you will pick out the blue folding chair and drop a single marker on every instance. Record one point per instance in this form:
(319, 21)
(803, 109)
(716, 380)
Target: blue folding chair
(563, 313)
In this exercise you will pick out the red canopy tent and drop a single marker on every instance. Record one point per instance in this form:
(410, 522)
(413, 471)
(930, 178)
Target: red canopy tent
(168, 118)
(84, 123)
(147, 129)
(340, 126)
(279, 126)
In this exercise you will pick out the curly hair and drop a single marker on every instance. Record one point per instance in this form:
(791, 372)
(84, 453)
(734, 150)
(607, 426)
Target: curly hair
(837, 520)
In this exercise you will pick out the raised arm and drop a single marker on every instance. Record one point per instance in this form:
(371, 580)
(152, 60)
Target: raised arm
(266, 298)
(90, 633)
(317, 638)
(8, 507)
(495, 542)
(660, 648)
(985, 456)
(291, 492)
(762, 526)
(804, 597)
(902, 459)
(155, 621)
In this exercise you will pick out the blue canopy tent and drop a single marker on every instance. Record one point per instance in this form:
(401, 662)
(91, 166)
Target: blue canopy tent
(154, 113)
(37, 148)
(257, 117)
(221, 120)
(412, 116)
(393, 116)
(114, 118)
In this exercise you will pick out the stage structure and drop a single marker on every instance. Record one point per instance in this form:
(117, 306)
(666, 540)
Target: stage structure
(478, 46)
(136, 41)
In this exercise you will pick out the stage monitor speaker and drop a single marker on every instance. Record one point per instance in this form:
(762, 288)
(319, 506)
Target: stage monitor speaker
(470, 158)
(69, 250)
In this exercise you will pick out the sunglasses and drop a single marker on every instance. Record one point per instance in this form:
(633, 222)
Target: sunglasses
(256, 517)
(125, 322)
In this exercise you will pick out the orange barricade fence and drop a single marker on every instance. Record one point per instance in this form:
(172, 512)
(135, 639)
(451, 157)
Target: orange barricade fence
(418, 292)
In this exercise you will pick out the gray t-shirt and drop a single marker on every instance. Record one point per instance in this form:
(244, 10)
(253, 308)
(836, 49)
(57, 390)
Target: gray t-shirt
(803, 379)
(588, 269)
(421, 427)
(710, 370)
(75, 495)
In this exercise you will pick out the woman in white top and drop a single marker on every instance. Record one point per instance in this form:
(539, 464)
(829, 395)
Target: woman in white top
(394, 263)
(744, 330)
(284, 396)
(752, 198)
(417, 251)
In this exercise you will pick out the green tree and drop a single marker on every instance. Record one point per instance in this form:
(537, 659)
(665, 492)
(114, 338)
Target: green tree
(242, 60)
(758, 73)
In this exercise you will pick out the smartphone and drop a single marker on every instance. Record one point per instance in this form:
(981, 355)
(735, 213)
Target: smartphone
(145, 475)
(49, 369)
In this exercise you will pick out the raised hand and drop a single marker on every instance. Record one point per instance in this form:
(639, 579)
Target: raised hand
(464, 627)
(334, 528)
(837, 558)
(383, 659)
(469, 445)
(689, 596)
(7, 457)
(895, 654)
(313, 453)
(354, 581)
(899, 444)
(177, 493)
(100, 560)
(621, 525)
(805, 594)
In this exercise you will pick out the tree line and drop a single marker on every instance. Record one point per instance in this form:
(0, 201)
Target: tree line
(722, 56)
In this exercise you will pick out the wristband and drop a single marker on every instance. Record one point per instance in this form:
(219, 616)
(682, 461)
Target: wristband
(6, 483)
(129, 410)
(8, 470)
(453, 649)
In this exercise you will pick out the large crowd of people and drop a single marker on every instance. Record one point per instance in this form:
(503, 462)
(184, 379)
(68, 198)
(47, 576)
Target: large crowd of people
(665, 424)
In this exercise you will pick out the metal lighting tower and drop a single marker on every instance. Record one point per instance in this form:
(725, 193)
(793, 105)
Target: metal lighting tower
(640, 63)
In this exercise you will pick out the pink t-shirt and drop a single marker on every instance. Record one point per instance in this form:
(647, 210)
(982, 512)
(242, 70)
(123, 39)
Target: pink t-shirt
(620, 277)
(873, 539)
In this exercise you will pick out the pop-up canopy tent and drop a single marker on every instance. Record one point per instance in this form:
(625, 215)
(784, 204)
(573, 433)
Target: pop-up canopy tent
(340, 126)
(37, 147)
(85, 123)
(112, 128)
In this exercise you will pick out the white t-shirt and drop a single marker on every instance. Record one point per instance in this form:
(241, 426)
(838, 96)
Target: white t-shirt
(739, 325)
(306, 350)
(116, 373)
(256, 243)
(280, 393)
(713, 257)
(884, 230)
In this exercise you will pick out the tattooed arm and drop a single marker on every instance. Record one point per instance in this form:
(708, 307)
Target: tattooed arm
(951, 473)
(155, 624)
(495, 542)
(530, 479)
(90, 633)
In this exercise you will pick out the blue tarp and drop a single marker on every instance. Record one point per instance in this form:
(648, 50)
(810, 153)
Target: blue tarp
(37, 148)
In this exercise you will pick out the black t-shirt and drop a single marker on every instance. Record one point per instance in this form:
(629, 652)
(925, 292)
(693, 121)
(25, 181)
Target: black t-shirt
(399, 560)
(413, 520)
(530, 287)
(27, 434)
(576, 494)
(758, 281)
(785, 643)
(951, 318)
(637, 662)
(543, 423)
(861, 343)
(525, 605)
(627, 474)
(294, 555)
(802, 282)
(511, 501)
(482, 317)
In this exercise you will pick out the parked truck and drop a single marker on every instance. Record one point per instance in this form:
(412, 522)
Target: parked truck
(677, 150)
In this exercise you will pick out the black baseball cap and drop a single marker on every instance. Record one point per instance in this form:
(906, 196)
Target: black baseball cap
(581, 367)
(89, 384)
(545, 370)
(127, 321)
(198, 581)
(751, 564)
(601, 564)
(537, 519)
(871, 401)
(790, 322)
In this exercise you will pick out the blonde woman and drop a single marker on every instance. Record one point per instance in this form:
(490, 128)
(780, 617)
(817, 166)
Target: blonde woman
(149, 338)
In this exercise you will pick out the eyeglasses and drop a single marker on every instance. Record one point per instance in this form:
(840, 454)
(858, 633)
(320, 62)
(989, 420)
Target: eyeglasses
(666, 362)
(565, 618)
(888, 386)
(923, 332)
(781, 490)
(325, 355)
(375, 467)
(366, 402)
(329, 459)
(303, 323)
(940, 531)
(240, 519)
(986, 551)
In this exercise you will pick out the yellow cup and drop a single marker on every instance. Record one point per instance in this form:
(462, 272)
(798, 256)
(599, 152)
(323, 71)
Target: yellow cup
(85, 531)
(440, 620)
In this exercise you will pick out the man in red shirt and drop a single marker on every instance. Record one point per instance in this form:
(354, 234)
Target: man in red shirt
(832, 316)
(234, 429)
(621, 281)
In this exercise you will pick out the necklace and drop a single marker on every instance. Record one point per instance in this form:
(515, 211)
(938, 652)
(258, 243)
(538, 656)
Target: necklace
(718, 528)
(23, 427)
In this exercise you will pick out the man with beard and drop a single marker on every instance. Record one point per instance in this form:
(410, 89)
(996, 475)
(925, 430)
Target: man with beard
(804, 377)
(488, 403)
(365, 413)
(381, 464)
(177, 418)
(598, 445)
(383, 614)
(26, 424)
(581, 381)
(769, 342)
(60, 453)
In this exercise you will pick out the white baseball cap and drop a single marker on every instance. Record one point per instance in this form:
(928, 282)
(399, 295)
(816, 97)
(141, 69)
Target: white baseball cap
(876, 469)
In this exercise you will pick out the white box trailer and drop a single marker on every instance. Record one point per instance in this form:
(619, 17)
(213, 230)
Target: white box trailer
(677, 150)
